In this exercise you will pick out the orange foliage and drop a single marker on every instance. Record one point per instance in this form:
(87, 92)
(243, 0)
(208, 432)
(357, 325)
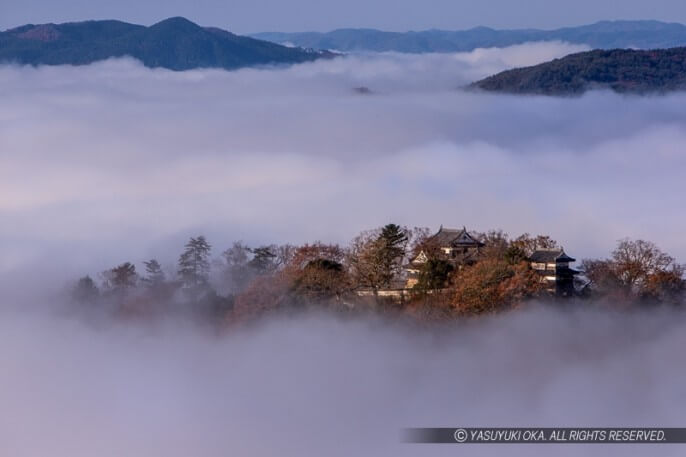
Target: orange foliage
(492, 285)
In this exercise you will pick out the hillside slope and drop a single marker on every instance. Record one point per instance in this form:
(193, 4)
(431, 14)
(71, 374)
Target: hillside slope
(621, 70)
(175, 43)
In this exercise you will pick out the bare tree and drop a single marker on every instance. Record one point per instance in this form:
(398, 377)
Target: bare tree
(635, 261)
(376, 257)
(637, 269)
(528, 244)
(496, 244)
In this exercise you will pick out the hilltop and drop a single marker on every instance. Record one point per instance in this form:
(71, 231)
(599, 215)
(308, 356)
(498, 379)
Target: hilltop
(175, 43)
(620, 70)
(601, 35)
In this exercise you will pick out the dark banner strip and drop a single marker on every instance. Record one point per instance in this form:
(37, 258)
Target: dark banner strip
(547, 435)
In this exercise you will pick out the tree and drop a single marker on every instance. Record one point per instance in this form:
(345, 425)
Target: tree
(666, 286)
(194, 263)
(492, 285)
(392, 244)
(496, 244)
(321, 280)
(637, 270)
(528, 244)
(122, 277)
(237, 273)
(603, 278)
(264, 260)
(265, 293)
(362, 260)
(283, 254)
(154, 274)
(635, 261)
(434, 275)
(242, 263)
(376, 256)
(317, 273)
(423, 241)
(308, 253)
(85, 290)
(515, 254)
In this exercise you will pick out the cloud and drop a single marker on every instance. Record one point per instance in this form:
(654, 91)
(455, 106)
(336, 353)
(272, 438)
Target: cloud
(318, 385)
(114, 162)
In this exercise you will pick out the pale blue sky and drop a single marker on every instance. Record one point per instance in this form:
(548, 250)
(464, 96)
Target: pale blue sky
(245, 16)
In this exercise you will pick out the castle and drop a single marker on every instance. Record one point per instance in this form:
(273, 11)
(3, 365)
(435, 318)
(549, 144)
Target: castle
(461, 248)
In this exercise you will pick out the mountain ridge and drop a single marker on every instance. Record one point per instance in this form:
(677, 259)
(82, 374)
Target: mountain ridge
(643, 34)
(619, 70)
(174, 43)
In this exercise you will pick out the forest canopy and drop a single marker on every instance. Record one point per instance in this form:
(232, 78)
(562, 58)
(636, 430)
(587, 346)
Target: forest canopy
(390, 269)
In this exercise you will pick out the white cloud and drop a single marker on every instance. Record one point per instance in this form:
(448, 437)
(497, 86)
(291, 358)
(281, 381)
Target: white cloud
(320, 386)
(114, 162)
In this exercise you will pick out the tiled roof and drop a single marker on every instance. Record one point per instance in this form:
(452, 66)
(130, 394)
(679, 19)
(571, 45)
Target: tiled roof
(455, 238)
(550, 256)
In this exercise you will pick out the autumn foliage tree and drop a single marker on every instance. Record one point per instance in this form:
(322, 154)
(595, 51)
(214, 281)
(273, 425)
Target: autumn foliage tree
(263, 294)
(637, 270)
(492, 285)
(314, 275)
(318, 274)
(496, 276)
(376, 257)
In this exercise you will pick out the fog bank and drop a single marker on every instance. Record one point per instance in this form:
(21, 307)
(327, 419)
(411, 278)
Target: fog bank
(320, 385)
(115, 162)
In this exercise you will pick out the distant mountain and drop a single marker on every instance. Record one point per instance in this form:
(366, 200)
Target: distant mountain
(601, 35)
(175, 43)
(621, 70)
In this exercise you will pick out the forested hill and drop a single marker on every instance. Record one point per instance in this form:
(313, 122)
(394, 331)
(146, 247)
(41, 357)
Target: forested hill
(624, 71)
(175, 43)
(601, 35)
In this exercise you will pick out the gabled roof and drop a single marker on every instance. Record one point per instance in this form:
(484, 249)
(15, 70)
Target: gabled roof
(455, 238)
(550, 256)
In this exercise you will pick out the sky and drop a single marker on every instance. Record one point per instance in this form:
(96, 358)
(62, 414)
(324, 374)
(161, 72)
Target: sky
(251, 16)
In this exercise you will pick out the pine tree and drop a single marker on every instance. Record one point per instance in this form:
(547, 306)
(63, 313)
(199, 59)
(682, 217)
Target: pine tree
(121, 277)
(154, 274)
(263, 260)
(85, 290)
(392, 245)
(194, 263)
(376, 257)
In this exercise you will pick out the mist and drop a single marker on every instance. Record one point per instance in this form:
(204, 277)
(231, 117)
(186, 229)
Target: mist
(115, 162)
(321, 385)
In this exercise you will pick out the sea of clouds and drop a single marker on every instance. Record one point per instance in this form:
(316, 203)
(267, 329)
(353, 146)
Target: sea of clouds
(115, 162)
(323, 386)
